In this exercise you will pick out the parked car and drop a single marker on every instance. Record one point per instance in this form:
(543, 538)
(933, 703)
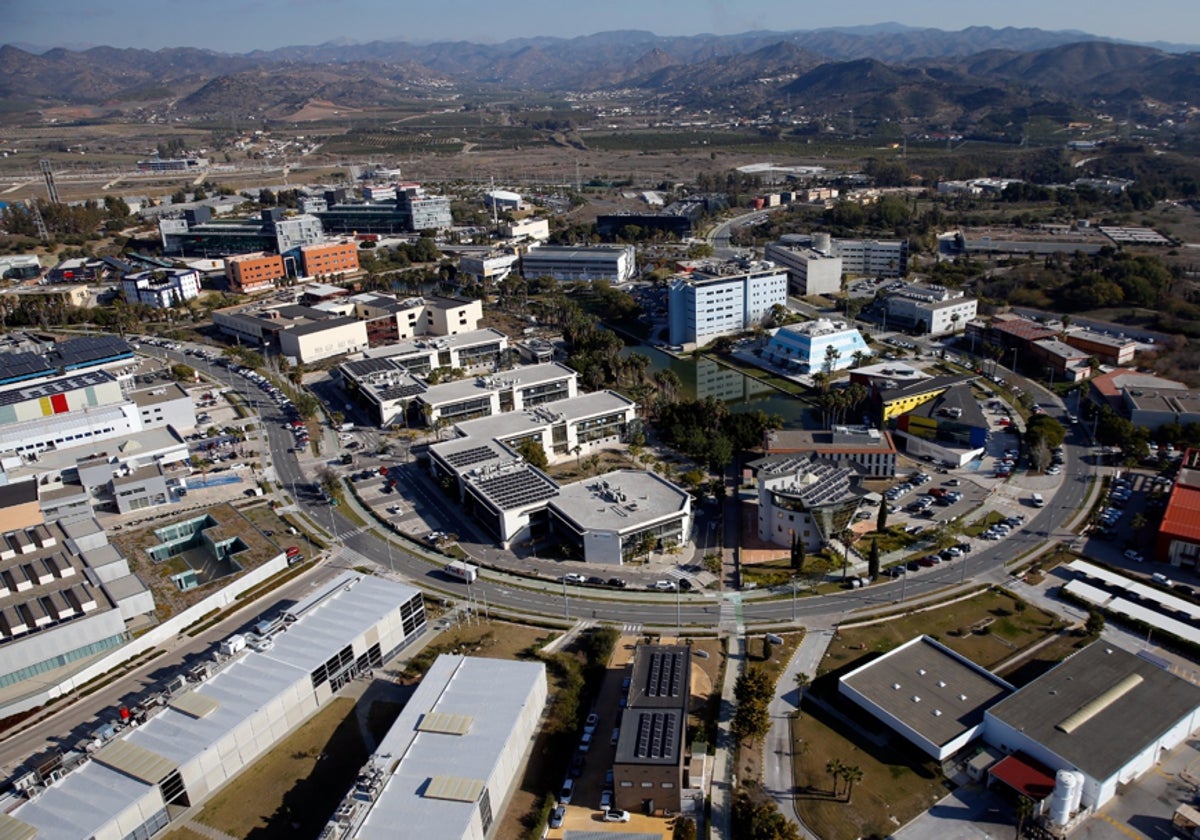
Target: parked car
(663, 585)
(556, 818)
(616, 816)
(1134, 555)
(573, 577)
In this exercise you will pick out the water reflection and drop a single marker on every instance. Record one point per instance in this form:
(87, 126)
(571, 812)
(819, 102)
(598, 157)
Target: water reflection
(704, 378)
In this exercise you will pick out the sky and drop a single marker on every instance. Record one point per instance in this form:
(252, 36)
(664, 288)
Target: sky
(243, 25)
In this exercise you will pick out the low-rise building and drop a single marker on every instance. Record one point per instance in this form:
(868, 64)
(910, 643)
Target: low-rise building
(1178, 538)
(536, 229)
(1064, 363)
(950, 428)
(488, 269)
(805, 498)
(933, 310)
(1152, 409)
(929, 694)
(323, 339)
(1108, 389)
(1108, 349)
(893, 402)
(161, 288)
(616, 264)
(503, 200)
(617, 517)
(454, 755)
(870, 451)
(252, 273)
(816, 346)
(329, 258)
(511, 390)
(810, 271)
(650, 762)
(710, 300)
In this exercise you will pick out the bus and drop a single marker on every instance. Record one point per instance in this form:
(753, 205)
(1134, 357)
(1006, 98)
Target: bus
(462, 570)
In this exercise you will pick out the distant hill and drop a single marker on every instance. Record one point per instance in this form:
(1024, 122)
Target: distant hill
(884, 70)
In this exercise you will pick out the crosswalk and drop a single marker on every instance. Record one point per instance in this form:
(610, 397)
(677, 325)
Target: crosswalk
(631, 629)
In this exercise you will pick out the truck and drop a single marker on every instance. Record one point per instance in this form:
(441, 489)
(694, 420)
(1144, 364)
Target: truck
(462, 571)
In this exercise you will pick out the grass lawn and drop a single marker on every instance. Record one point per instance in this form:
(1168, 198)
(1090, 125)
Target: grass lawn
(1046, 657)
(185, 833)
(897, 782)
(1010, 628)
(890, 539)
(293, 789)
(983, 523)
(490, 639)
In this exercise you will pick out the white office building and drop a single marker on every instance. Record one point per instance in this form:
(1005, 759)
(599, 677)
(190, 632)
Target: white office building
(810, 271)
(813, 346)
(609, 262)
(932, 309)
(705, 303)
(161, 288)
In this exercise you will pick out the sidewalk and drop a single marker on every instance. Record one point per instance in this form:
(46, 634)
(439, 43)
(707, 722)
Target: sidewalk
(724, 782)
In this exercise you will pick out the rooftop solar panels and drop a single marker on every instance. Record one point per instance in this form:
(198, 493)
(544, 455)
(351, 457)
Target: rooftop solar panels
(467, 457)
(656, 735)
(666, 674)
(16, 366)
(365, 367)
(89, 348)
(515, 488)
(38, 390)
(401, 391)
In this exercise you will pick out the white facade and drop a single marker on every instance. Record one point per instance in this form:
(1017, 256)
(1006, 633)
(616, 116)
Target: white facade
(489, 268)
(872, 258)
(538, 229)
(209, 733)
(811, 272)
(703, 306)
(511, 390)
(324, 339)
(609, 262)
(803, 347)
(447, 778)
(503, 200)
(933, 309)
(161, 288)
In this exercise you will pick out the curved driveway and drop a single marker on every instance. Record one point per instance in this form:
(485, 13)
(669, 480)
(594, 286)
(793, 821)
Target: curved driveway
(544, 599)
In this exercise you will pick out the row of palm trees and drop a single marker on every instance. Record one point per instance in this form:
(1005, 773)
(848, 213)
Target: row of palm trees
(841, 772)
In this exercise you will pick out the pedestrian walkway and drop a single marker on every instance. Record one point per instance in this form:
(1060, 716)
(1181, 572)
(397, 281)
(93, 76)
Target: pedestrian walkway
(724, 780)
(205, 830)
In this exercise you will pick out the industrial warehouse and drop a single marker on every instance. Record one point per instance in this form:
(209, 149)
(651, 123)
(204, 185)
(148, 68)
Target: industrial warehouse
(233, 709)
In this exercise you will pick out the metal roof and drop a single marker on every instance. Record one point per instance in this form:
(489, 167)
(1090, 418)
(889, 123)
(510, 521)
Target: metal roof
(136, 761)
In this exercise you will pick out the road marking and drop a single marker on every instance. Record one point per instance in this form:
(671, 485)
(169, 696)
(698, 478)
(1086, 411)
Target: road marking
(1122, 827)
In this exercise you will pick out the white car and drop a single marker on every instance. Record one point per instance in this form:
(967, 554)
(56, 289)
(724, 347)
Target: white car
(616, 816)
(1135, 556)
(663, 585)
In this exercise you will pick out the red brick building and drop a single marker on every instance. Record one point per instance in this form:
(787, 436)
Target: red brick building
(330, 258)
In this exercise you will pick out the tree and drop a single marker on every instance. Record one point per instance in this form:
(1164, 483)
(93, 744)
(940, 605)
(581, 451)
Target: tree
(534, 453)
(752, 691)
(881, 517)
(755, 817)
(797, 553)
(873, 560)
(182, 373)
(1025, 811)
(850, 774)
(832, 354)
(834, 768)
(1094, 625)
(802, 682)
(767, 649)
(685, 829)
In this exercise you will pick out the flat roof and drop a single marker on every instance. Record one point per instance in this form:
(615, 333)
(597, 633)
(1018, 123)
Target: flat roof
(931, 689)
(356, 604)
(620, 501)
(955, 398)
(159, 394)
(427, 344)
(837, 439)
(514, 487)
(519, 377)
(1099, 708)
(430, 775)
(82, 802)
(53, 387)
(655, 720)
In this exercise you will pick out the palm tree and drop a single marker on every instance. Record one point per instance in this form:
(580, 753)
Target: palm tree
(577, 449)
(1025, 809)
(802, 682)
(851, 774)
(834, 768)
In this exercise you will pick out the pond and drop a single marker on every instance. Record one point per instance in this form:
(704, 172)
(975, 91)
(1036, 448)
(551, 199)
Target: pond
(702, 378)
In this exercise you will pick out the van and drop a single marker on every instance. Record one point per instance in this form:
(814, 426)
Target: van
(1163, 579)
(1037, 500)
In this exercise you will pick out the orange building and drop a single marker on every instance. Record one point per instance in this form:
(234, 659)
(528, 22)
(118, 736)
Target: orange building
(249, 273)
(331, 258)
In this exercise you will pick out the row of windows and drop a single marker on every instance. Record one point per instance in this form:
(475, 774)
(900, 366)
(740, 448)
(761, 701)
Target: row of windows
(664, 785)
(37, 447)
(14, 677)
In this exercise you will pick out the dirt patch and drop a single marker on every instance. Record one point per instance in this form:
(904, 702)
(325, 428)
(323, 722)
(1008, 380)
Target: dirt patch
(320, 109)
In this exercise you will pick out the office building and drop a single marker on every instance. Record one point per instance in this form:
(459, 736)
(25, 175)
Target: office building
(820, 346)
(256, 272)
(650, 762)
(932, 310)
(488, 268)
(161, 288)
(511, 390)
(805, 497)
(612, 263)
(329, 259)
(412, 211)
(535, 229)
(810, 271)
(869, 451)
(1178, 538)
(949, 428)
(1108, 349)
(197, 235)
(715, 299)
(503, 200)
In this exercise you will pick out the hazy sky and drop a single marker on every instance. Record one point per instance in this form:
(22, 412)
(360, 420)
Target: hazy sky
(243, 25)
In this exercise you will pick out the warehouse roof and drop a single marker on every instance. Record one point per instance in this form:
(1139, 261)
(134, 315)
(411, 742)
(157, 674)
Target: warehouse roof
(1099, 708)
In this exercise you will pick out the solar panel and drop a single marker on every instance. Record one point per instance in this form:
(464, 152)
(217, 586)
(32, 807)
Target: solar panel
(466, 457)
(402, 391)
(515, 488)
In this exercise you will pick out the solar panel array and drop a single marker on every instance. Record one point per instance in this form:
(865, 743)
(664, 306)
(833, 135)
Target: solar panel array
(89, 348)
(401, 391)
(514, 489)
(74, 382)
(666, 674)
(365, 367)
(657, 734)
(20, 365)
(467, 457)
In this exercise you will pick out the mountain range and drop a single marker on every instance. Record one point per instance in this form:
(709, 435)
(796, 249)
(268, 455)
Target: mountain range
(885, 70)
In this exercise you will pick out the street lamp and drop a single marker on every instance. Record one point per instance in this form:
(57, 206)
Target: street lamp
(566, 604)
(793, 599)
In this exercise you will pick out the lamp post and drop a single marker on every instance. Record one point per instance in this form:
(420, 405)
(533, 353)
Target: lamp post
(793, 599)
(566, 604)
